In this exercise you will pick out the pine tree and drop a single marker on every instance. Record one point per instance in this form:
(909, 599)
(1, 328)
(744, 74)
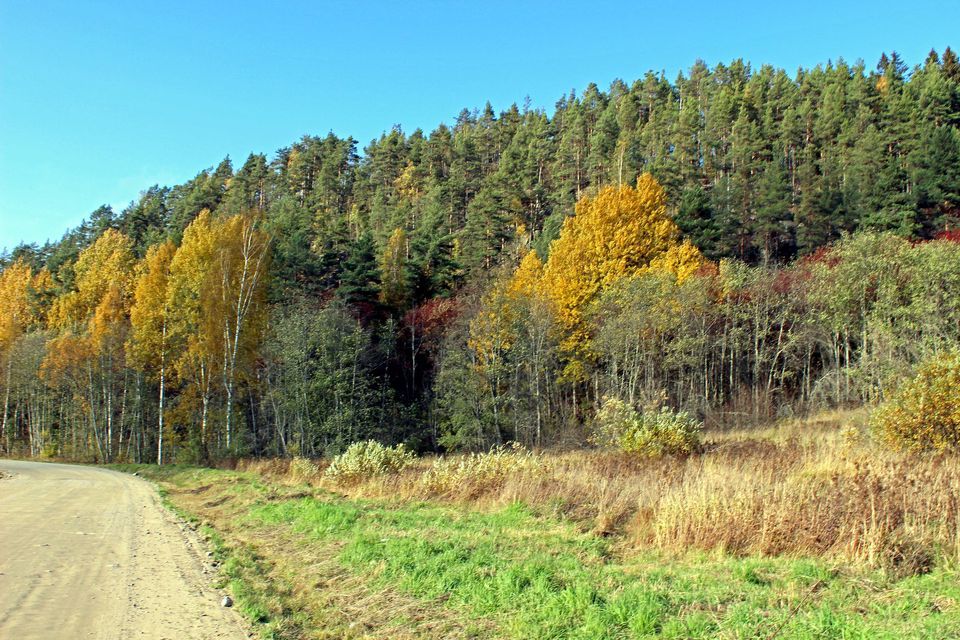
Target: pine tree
(360, 279)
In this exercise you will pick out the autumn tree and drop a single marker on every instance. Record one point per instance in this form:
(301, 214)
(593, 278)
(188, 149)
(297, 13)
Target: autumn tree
(15, 283)
(196, 336)
(93, 321)
(241, 263)
(393, 272)
(618, 233)
(149, 346)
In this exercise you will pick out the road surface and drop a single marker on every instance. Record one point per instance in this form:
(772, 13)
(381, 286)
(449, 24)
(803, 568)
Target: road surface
(91, 553)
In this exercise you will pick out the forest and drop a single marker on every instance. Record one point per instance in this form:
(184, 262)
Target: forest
(739, 244)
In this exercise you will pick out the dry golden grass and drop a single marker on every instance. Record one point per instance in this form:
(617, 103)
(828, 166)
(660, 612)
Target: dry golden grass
(806, 487)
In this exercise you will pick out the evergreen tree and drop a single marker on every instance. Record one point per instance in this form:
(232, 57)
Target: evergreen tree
(360, 279)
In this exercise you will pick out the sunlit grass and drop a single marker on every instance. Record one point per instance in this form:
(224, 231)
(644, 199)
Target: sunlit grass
(779, 533)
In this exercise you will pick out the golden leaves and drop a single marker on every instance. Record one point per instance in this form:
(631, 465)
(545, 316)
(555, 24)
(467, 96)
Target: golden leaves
(107, 263)
(15, 308)
(149, 313)
(216, 283)
(619, 233)
(393, 290)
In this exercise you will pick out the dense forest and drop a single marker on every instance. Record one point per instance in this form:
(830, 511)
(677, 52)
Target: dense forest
(738, 243)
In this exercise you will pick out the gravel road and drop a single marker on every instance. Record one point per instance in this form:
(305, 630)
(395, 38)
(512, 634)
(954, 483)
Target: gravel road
(91, 553)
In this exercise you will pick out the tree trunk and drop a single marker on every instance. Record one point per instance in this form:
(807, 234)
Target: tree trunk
(6, 403)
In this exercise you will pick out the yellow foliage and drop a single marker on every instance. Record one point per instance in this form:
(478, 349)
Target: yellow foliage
(15, 308)
(109, 322)
(107, 263)
(924, 414)
(883, 85)
(44, 292)
(621, 232)
(190, 290)
(492, 330)
(526, 280)
(215, 294)
(149, 313)
(682, 260)
(93, 318)
(393, 290)
(407, 184)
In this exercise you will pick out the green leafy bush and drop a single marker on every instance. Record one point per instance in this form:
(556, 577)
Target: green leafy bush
(364, 460)
(655, 433)
(481, 469)
(924, 414)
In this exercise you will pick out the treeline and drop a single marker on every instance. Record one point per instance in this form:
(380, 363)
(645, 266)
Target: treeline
(318, 297)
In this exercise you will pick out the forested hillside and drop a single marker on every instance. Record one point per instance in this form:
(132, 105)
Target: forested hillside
(737, 242)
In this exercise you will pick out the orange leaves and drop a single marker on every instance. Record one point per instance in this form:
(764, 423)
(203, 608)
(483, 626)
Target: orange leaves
(65, 362)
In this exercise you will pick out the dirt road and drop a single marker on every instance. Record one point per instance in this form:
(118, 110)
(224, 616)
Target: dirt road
(91, 553)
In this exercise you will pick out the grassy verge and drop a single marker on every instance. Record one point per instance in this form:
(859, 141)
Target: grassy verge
(379, 563)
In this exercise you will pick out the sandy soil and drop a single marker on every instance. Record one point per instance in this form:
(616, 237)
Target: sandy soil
(91, 553)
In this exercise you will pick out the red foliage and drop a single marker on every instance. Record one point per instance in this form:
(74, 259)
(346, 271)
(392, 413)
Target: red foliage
(787, 280)
(950, 235)
(426, 324)
(824, 255)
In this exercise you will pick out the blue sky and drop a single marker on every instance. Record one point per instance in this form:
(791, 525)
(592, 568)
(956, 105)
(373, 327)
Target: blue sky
(100, 100)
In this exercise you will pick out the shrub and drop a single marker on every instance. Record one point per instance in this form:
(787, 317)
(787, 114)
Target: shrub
(366, 459)
(664, 432)
(482, 470)
(924, 414)
(302, 469)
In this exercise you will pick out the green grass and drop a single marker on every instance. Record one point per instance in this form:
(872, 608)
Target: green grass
(538, 577)
(517, 573)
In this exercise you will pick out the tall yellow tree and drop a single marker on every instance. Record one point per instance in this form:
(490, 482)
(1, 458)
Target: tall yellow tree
(243, 251)
(195, 336)
(15, 316)
(93, 320)
(107, 263)
(393, 288)
(618, 233)
(216, 294)
(148, 346)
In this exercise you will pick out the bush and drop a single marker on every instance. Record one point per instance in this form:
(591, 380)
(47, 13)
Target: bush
(302, 469)
(924, 414)
(364, 460)
(664, 432)
(486, 470)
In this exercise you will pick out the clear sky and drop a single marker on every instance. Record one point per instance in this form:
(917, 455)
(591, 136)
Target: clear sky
(100, 100)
